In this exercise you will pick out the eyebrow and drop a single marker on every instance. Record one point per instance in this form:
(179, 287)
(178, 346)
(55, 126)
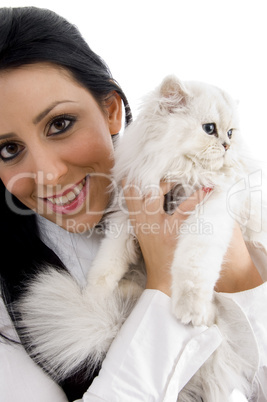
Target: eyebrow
(45, 112)
(7, 136)
(38, 118)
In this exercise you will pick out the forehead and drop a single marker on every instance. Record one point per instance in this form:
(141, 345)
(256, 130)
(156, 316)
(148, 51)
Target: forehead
(27, 90)
(35, 76)
(214, 105)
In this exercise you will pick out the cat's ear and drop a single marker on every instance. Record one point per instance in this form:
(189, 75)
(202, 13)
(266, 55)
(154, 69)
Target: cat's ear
(173, 94)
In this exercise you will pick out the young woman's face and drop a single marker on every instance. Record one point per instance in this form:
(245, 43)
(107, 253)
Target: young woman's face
(56, 149)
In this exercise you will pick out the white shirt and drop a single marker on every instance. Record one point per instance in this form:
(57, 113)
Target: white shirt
(153, 356)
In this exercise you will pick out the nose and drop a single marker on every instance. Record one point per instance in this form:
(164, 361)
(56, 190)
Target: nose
(226, 146)
(48, 167)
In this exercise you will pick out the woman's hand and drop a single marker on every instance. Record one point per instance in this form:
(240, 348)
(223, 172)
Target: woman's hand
(157, 232)
(238, 271)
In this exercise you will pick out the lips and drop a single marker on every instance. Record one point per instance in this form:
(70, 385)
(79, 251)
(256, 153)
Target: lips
(70, 200)
(68, 197)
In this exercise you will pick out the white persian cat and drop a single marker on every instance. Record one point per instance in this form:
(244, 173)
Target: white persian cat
(187, 133)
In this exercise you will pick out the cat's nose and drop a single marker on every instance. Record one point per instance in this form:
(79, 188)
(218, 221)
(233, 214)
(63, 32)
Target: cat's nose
(226, 146)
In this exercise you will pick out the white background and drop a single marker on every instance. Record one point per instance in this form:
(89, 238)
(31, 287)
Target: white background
(222, 42)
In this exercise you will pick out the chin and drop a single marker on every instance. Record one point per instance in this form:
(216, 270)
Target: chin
(212, 164)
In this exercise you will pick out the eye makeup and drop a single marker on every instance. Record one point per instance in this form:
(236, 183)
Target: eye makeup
(59, 124)
(9, 150)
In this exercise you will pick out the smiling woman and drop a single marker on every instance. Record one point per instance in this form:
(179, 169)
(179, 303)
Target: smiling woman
(59, 108)
(58, 154)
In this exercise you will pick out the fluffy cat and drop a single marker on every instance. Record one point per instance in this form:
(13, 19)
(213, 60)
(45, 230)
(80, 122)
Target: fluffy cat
(186, 133)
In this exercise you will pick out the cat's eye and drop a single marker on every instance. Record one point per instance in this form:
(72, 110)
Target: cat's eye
(230, 133)
(210, 128)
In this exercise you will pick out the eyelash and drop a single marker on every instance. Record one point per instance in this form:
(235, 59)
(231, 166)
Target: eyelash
(3, 146)
(64, 117)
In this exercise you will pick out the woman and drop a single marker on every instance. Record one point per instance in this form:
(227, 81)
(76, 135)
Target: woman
(59, 108)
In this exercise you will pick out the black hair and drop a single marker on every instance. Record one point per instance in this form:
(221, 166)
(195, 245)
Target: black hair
(31, 35)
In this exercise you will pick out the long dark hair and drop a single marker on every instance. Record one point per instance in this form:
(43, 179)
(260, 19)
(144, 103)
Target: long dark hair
(31, 35)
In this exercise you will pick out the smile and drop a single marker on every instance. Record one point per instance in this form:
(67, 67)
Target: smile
(70, 201)
(68, 197)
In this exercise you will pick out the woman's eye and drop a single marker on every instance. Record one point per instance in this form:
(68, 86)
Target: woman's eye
(10, 150)
(210, 128)
(60, 125)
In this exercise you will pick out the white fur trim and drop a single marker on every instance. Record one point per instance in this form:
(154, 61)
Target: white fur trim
(65, 328)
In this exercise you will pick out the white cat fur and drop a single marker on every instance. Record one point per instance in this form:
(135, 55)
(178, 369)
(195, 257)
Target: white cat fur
(165, 142)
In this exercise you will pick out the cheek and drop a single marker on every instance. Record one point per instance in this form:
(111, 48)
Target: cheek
(20, 185)
(94, 150)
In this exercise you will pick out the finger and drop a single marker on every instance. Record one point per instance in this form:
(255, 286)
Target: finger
(189, 205)
(133, 189)
(133, 197)
(167, 186)
(153, 203)
(137, 201)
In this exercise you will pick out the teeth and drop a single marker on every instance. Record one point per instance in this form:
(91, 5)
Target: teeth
(70, 196)
(64, 199)
(78, 188)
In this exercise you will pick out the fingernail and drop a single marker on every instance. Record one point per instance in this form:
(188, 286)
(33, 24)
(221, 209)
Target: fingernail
(207, 190)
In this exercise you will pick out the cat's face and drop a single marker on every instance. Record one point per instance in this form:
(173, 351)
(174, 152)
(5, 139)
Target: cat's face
(203, 122)
(184, 132)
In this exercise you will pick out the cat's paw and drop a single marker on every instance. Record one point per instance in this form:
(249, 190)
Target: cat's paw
(191, 305)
